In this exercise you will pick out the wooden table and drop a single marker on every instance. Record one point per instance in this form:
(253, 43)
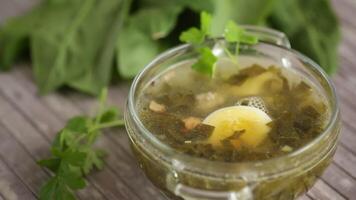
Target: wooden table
(28, 123)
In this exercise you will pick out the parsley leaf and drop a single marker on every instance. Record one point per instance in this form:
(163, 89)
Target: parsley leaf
(205, 23)
(235, 33)
(73, 155)
(192, 36)
(206, 61)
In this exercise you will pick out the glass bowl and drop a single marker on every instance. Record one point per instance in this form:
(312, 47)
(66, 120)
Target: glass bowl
(180, 176)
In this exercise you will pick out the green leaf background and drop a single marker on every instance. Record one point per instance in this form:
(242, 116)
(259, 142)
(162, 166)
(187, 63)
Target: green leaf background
(83, 44)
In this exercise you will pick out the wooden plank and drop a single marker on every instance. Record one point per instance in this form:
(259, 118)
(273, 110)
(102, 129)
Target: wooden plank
(33, 142)
(346, 62)
(346, 160)
(351, 3)
(324, 192)
(11, 187)
(347, 106)
(20, 161)
(346, 72)
(348, 137)
(37, 114)
(22, 130)
(345, 96)
(347, 78)
(340, 181)
(348, 38)
(117, 157)
(345, 51)
(344, 12)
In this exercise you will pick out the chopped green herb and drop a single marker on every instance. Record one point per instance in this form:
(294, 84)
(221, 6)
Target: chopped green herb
(205, 23)
(200, 132)
(244, 74)
(193, 36)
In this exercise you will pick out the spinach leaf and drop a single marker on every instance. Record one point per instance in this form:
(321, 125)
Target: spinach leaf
(156, 22)
(312, 28)
(75, 44)
(134, 50)
(14, 37)
(196, 5)
(137, 43)
(104, 22)
(241, 11)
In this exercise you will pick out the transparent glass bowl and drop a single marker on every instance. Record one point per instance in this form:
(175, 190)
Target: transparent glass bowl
(180, 176)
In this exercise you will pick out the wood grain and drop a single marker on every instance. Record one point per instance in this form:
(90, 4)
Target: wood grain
(11, 187)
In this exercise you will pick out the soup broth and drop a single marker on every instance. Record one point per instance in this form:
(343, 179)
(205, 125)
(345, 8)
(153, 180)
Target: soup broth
(241, 114)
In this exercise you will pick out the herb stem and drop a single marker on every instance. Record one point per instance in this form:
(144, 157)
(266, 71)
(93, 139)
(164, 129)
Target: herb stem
(108, 125)
(231, 56)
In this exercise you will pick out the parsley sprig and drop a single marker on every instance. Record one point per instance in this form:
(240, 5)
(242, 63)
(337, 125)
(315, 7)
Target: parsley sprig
(73, 155)
(233, 34)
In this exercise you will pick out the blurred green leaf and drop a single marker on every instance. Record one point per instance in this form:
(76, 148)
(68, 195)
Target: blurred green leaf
(48, 191)
(241, 11)
(75, 44)
(196, 5)
(52, 163)
(156, 22)
(235, 33)
(135, 50)
(14, 36)
(312, 28)
(138, 38)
